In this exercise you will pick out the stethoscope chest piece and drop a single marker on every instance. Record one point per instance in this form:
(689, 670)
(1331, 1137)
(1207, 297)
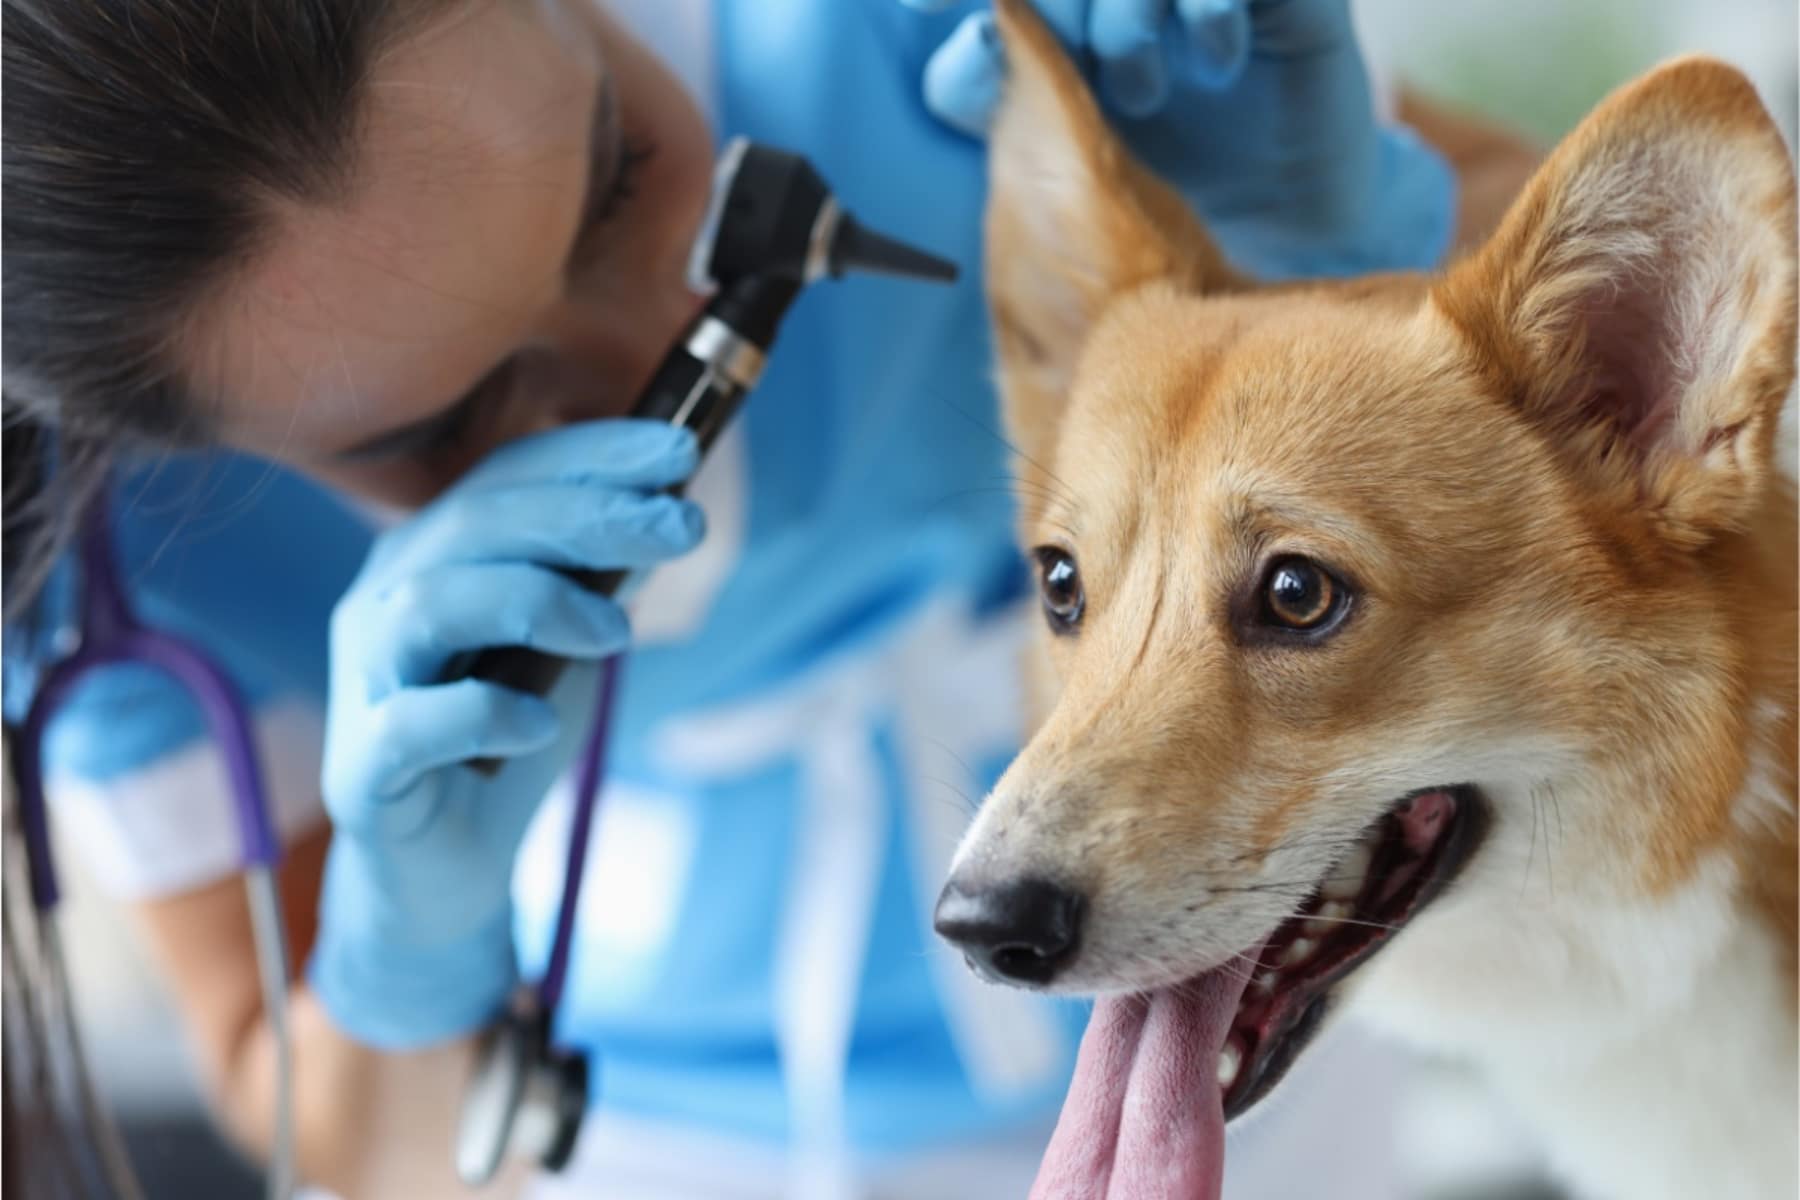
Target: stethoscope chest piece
(524, 1102)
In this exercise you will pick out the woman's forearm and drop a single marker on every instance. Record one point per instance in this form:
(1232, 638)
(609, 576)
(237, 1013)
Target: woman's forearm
(368, 1125)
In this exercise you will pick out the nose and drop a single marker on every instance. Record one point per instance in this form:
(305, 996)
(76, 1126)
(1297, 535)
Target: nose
(1022, 930)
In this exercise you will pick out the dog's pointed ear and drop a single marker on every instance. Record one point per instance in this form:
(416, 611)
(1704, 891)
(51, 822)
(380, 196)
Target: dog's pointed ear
(1072, 221)
(1638, 299)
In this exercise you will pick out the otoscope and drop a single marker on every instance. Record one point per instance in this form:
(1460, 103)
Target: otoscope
(771, 228)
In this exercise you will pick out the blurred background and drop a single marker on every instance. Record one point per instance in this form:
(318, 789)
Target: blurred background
(1537, 65)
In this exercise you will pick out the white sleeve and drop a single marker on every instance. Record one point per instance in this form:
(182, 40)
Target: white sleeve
(171, 825)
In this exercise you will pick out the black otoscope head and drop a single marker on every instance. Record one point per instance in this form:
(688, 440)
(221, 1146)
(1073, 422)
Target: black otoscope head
(772, 217)
(772, 227)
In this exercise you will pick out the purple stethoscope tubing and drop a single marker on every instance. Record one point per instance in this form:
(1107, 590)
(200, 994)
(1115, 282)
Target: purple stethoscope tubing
(110, 635)
(589, 772)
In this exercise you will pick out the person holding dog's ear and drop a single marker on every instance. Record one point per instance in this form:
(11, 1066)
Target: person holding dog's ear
(349, 295)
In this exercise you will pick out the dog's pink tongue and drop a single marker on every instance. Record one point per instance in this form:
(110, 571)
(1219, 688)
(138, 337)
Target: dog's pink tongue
(1145, 1119)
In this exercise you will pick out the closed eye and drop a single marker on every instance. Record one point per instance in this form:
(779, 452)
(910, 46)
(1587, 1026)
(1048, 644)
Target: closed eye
(443, 431)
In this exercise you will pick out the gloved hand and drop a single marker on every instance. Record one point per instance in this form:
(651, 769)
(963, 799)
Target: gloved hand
(415, 939)
(1258, 111)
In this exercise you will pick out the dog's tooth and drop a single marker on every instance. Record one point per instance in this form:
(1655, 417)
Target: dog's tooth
(1346, 879)
(1297, 952)
(1264, 981)
(1230, 1058)
(1330, 916)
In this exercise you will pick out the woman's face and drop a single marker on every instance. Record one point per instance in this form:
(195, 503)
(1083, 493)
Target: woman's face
(508, 256)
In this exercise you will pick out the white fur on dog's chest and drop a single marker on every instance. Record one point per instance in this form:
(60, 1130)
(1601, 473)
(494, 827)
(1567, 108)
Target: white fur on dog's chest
(1649, 1044)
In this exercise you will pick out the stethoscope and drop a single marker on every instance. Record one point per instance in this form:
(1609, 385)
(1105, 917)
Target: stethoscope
(771, 228)
(527, 1095)
(108, 634)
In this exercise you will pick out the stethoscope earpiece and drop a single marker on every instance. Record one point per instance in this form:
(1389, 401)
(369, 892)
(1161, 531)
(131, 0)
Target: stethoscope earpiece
(524, 1102)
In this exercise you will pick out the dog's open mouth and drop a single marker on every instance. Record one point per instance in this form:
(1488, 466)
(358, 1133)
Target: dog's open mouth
(1161, 1072)
(1371, 894)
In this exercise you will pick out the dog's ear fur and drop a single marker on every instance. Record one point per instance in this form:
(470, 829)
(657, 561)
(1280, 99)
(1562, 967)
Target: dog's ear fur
(1638, 299)
(1072, 221)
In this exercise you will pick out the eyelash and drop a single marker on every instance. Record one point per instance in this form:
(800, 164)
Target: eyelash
(632, 158)
(473, 413)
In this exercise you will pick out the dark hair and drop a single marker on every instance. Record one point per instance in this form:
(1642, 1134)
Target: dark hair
(144, 142)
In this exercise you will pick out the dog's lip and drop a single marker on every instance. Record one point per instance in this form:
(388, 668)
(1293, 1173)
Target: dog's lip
(1297, 1013)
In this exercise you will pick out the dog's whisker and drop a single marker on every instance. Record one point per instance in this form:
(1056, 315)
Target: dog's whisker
(1318, 841)
(1556, 806)
(1008, 443)
(969, 805)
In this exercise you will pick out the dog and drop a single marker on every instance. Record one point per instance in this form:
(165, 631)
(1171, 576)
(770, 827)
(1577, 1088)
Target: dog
(1417, 646)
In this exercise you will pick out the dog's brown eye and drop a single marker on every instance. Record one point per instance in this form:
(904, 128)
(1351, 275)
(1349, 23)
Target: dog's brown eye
(1060, 584)
(1299, 594)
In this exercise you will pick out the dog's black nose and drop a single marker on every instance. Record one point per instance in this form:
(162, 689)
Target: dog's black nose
(1025, 930)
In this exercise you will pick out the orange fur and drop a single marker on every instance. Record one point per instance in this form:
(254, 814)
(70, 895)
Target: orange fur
(1548, 475)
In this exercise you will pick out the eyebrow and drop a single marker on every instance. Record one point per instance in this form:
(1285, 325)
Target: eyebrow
(606, 157)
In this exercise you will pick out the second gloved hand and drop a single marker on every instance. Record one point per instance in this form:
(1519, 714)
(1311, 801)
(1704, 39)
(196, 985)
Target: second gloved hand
(415, 937)
(1258, 111)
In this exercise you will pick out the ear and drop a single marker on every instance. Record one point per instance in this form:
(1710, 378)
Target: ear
(1638, 299)
(1072, 221)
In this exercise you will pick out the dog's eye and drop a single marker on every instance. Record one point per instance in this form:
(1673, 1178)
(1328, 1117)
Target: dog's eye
(1299, 594)
(1060, 583)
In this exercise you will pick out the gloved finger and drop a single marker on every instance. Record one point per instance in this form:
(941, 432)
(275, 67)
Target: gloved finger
(557, 524)
(620, 451)
(964, 75)
(1218, 34)
(419, 730)
(1127, 37)
(929, 6)
(426, 620)
(1291, 29)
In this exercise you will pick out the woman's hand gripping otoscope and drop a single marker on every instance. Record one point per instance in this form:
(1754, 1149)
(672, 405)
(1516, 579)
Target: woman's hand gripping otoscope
(451, 650)
(422, 853)
(772, 227)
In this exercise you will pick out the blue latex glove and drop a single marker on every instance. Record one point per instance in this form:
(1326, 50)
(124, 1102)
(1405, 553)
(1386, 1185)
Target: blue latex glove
(1258, 111)
(415, 941)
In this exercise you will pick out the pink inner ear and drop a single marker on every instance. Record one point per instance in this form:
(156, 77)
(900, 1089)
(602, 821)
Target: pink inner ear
(1632, 356)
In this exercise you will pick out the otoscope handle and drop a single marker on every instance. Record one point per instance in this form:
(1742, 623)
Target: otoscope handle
(525, 670)
(700, 385)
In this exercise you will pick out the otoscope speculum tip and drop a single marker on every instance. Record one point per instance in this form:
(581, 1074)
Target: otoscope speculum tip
(859, 248)
(772, 216)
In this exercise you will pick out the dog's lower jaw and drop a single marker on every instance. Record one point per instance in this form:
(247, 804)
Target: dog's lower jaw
(1649, 1046)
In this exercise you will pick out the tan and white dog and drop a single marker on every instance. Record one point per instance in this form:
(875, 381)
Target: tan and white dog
(1422, 645)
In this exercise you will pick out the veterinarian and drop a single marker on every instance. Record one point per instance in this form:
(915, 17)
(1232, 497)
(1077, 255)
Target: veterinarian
(292, 270)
